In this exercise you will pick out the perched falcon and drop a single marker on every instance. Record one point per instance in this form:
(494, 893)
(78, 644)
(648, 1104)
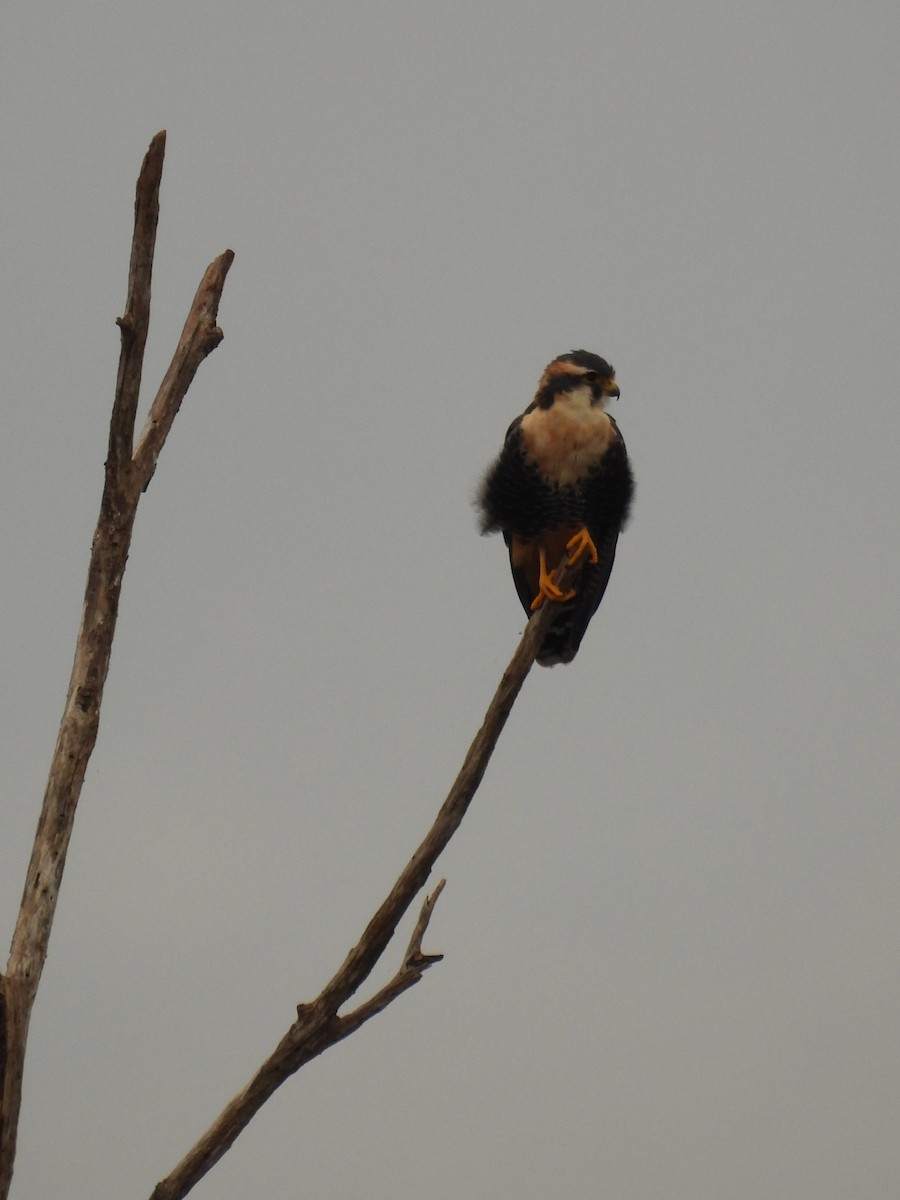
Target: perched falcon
(562, 482)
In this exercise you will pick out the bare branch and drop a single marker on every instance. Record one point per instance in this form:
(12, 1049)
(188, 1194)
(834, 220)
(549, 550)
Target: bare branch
(415, 963)
(81, 715)
(199, 337)
(415, 958)
(319, 1025)
(129, 468)
(135, 324)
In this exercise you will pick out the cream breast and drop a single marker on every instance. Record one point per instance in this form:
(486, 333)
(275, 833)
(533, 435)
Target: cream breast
(568, 439)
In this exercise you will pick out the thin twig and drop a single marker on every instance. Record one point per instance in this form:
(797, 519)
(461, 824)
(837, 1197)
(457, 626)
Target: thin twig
(199, 337)
(415, 963)
(319, 1024)
(414, 958)
(134, 324)
(123, 484)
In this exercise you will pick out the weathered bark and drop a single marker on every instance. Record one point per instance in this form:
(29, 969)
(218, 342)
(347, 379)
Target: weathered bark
(127, 475)
(129, 469)
(319, 1024)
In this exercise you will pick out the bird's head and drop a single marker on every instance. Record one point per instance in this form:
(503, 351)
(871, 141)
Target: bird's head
(578, 373)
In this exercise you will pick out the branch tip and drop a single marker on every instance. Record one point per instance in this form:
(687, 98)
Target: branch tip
(415, 957)
(153, 159)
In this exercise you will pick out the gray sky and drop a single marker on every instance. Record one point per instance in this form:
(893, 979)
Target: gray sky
(671, 920)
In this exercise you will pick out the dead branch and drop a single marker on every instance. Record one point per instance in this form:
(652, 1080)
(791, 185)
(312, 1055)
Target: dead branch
(319, 1024)
(199, 337)
(134, 325)
(127, 475)
(129, 469)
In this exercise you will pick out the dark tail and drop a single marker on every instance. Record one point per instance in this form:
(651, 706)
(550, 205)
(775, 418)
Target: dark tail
(571, 622)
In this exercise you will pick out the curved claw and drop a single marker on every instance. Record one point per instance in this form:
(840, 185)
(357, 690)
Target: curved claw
(579, 545)
(547, 589)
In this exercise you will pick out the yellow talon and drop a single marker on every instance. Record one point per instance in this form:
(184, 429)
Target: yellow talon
(547, 589)
(582, 543)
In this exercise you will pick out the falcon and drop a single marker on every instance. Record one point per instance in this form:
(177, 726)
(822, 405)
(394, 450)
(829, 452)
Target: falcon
(562, 485)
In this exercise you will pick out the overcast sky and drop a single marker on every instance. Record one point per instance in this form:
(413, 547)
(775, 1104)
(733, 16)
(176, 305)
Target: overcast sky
(671, 917)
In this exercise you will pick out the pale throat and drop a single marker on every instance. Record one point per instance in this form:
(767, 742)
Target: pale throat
(568, 439)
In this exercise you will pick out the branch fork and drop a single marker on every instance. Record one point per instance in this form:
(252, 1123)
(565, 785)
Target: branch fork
(130, 466)
(128, 472)
(319, 1023)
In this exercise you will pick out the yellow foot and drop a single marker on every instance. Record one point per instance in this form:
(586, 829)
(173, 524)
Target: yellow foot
(547, 589)
(582, 543)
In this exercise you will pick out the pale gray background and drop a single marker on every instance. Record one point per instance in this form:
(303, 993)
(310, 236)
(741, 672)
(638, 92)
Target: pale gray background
(671, 921)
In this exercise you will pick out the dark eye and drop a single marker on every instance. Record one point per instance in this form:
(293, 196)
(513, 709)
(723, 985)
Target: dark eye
(590, 376)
